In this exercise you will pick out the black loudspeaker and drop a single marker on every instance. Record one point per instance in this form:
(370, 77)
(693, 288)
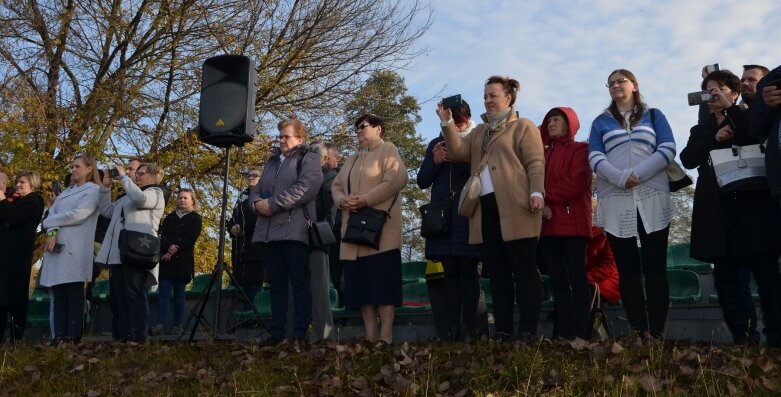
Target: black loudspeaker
(227, 111)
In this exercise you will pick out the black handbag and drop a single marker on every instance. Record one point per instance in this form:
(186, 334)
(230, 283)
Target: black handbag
(364, 227)
(435, 216)
(138, 249)
(320, 233)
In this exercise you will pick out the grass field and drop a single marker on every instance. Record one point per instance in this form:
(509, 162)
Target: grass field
(579, 368)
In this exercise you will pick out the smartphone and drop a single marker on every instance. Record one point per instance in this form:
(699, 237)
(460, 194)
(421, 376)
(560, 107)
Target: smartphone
(56, 188)
(113, 173)
(452, 101)
(58, 247)
(776, 83)
(699, 97)
(711, 68)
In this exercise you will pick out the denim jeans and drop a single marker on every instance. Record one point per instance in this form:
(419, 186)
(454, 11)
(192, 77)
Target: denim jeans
(288, 261)
(166, 287)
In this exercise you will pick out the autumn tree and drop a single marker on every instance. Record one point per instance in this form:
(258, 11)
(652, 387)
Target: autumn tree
(119, 78)
(385, 95)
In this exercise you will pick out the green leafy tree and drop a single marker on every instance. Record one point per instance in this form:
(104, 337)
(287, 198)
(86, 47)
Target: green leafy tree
(385, 95)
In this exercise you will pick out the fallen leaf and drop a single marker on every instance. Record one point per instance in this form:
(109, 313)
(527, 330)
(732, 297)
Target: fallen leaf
(732, 389)
(649, 384)
(443, 387)
(579, 344)
(686, 370)
(773, 384)
(93, 393)
(77, 368)
(93, 360)
(35, 377)
(359, 383)
(616, 348)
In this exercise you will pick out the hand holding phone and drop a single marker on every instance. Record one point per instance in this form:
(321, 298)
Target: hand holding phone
(56, 188)
(113, 173)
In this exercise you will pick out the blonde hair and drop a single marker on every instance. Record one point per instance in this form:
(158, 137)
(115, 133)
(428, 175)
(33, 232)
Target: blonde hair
(153, 169)
(299, 129)
(33, 178)
(89, 161)
(192, 196)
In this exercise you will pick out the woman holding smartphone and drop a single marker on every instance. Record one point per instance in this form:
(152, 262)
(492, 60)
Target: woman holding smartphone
(506, 152)
(67, 258)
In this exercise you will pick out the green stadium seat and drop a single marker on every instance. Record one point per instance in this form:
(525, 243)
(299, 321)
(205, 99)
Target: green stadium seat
(412, 272)
(38, 309)
(414, 298)
(198, 285)
(100, 291)
(262, 301)
(678, 259)
(684, 287)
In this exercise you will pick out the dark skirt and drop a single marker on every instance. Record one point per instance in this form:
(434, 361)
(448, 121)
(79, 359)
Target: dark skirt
(373, 280)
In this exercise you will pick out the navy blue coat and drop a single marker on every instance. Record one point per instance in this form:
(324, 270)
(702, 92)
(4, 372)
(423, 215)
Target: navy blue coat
(438, 177)
(765, 124)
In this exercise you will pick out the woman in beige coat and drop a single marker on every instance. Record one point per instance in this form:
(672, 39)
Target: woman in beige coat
(373, 177)
(507, 220)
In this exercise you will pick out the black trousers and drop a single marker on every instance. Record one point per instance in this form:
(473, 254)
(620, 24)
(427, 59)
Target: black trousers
(68, 300)
(129, 285)
(646, 312)
(727, 280)
(462, 291)
(565, 259)
(510, 263)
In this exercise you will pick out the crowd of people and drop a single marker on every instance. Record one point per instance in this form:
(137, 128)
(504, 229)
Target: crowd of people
(533, 211)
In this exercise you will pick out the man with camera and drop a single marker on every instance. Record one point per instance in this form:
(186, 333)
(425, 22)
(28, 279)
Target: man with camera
(764, 118)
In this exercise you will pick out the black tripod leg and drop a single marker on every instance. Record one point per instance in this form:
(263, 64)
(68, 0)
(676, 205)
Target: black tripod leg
(200, 306)
(244, 299)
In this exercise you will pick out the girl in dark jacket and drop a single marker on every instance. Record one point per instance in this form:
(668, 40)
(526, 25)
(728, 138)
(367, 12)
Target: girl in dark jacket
(566, 225)
(733, 229)
(178, 234)
(20, 215)
(459, 259)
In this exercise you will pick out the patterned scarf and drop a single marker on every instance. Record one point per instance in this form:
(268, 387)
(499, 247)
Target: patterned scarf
(496, 122)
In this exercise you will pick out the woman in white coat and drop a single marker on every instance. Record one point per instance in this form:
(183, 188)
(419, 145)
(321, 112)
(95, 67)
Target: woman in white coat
(67, 258)
(142, 206)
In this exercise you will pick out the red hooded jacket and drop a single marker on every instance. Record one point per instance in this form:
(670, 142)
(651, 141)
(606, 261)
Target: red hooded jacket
(601, 266)
(567, 180)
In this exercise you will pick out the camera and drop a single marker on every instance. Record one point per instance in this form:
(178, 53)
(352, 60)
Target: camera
(699, 98)
(452, 101)
(113, 173)
(711, 68)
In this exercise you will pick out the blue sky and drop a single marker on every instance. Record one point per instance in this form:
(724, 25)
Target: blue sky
(562, 52)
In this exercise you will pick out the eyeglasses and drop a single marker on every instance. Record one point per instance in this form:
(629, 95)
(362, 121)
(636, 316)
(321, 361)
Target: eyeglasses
(252, 176)
(616, 82)
(362, 126)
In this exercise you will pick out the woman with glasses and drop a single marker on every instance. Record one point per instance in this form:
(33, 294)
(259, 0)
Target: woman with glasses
(20, 214)
(506, 152)
(67, 258)
(286, 190)
(733, 229)
(373, 177)
(140, 209)
(178, 234)
(630, 147)
(246, 257)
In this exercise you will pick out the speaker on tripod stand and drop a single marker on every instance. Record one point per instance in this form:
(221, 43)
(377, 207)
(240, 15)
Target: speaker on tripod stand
(225, 119)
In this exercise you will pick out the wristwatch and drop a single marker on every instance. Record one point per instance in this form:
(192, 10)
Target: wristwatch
(51, 233)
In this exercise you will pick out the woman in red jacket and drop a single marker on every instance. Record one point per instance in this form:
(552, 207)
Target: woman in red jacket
(566, 225)
(601, 265)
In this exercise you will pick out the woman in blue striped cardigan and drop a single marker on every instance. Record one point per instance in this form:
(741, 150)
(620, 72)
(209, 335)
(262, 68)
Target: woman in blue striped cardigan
(629, 148)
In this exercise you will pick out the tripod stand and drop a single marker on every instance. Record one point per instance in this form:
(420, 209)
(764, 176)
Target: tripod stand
(215, 281)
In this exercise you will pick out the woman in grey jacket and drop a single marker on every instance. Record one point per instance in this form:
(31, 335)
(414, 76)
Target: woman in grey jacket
(67, 258)
(142, 206)
(288, 187)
